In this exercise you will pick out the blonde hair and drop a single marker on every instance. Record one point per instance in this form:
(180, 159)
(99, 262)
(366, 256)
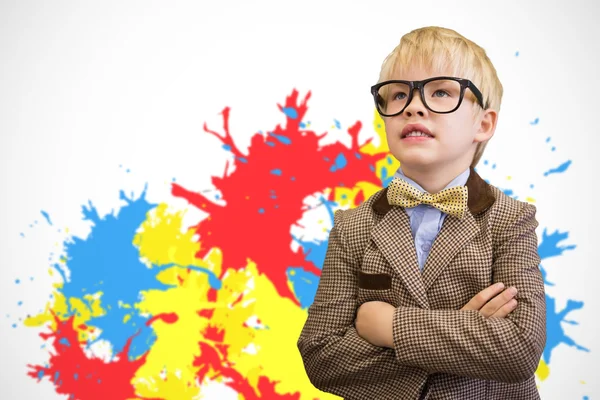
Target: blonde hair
(435, 48)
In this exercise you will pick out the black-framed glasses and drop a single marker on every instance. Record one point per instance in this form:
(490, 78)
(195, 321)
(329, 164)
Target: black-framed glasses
(441, 94)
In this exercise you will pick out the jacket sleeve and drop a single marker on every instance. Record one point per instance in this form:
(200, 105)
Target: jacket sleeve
(468, 344)
(336, 359)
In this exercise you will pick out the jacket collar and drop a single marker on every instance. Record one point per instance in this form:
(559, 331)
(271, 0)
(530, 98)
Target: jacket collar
(480, 196)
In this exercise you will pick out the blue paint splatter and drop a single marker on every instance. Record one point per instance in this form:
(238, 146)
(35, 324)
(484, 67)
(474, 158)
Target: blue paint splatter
(268, 143)
(386, 177)
(276, 172)
(302, 125)
(290, 112)
(17, 281)
(545, 276)
(45, 214)
(242, 159)
(535, 121)
(517, 54)
(337, 124)
(261, 210)
(64, 342)
(226, 147)
(561, 168)
(555, 333)
(304, 285)
(549, 246)
(281, 138)
(339, 163)
(547, 139)
(108, 262)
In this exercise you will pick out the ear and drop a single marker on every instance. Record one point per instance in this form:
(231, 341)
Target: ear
(486, 125)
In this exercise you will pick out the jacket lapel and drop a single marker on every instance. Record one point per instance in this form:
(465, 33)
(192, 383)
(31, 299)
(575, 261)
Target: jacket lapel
(455, 233)
(393, 237)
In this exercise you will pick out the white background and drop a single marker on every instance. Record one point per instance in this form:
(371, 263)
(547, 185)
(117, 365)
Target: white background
(86, 87)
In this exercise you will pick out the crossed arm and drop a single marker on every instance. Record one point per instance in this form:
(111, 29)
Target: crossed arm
(482, 340)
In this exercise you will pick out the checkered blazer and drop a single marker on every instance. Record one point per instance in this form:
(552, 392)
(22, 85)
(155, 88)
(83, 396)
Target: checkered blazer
(440, 352)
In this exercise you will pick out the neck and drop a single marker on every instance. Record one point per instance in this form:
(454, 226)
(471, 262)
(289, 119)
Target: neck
(433, 180)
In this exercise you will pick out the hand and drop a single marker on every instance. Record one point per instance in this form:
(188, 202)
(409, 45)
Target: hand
(374, 323)
(502, 304)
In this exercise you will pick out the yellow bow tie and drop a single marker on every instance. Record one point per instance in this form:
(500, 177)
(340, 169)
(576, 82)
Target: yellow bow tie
(452, 201)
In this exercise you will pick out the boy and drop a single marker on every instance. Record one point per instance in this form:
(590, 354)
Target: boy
(399, 315)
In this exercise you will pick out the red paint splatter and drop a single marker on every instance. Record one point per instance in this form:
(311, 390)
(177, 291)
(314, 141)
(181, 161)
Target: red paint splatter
(169, 318)
(204, 313)
(211, 360)
(74, 374)
(211, 295)
(265, 193)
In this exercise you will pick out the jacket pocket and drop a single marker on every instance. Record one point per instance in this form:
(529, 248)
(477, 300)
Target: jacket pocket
(374, 281)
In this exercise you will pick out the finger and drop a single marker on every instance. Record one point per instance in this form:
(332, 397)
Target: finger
(483, 297)
(506, 309)
(498, 302)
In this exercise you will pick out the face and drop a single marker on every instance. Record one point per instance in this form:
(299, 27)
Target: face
(455, 135)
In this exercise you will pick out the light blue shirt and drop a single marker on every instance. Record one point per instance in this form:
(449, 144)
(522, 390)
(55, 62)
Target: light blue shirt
(425, 220)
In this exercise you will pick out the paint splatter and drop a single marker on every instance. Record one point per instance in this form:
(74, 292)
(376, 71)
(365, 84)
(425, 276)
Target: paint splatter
(149, 308)
(46, 216)
(299, 157)
(561, 168)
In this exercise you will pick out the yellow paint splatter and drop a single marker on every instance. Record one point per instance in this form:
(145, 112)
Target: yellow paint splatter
(543, 371)
(346, 197)
(83, 310)
(253, 351)
(277, 355)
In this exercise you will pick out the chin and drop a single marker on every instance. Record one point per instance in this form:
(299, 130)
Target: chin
(416, 160)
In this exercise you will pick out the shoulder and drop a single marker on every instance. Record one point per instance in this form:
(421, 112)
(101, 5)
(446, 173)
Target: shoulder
(507, 211)
(355, 224)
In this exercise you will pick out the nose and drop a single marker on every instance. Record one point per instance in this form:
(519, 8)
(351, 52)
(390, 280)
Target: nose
(416, 105)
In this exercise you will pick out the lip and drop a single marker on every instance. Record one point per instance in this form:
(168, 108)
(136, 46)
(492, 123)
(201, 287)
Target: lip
(414, 127)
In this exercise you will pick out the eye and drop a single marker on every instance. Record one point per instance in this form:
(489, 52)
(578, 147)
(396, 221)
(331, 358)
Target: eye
(440, 93)
(399, 96)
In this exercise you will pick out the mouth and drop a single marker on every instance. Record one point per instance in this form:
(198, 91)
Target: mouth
(415, 131)
(416, 134)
